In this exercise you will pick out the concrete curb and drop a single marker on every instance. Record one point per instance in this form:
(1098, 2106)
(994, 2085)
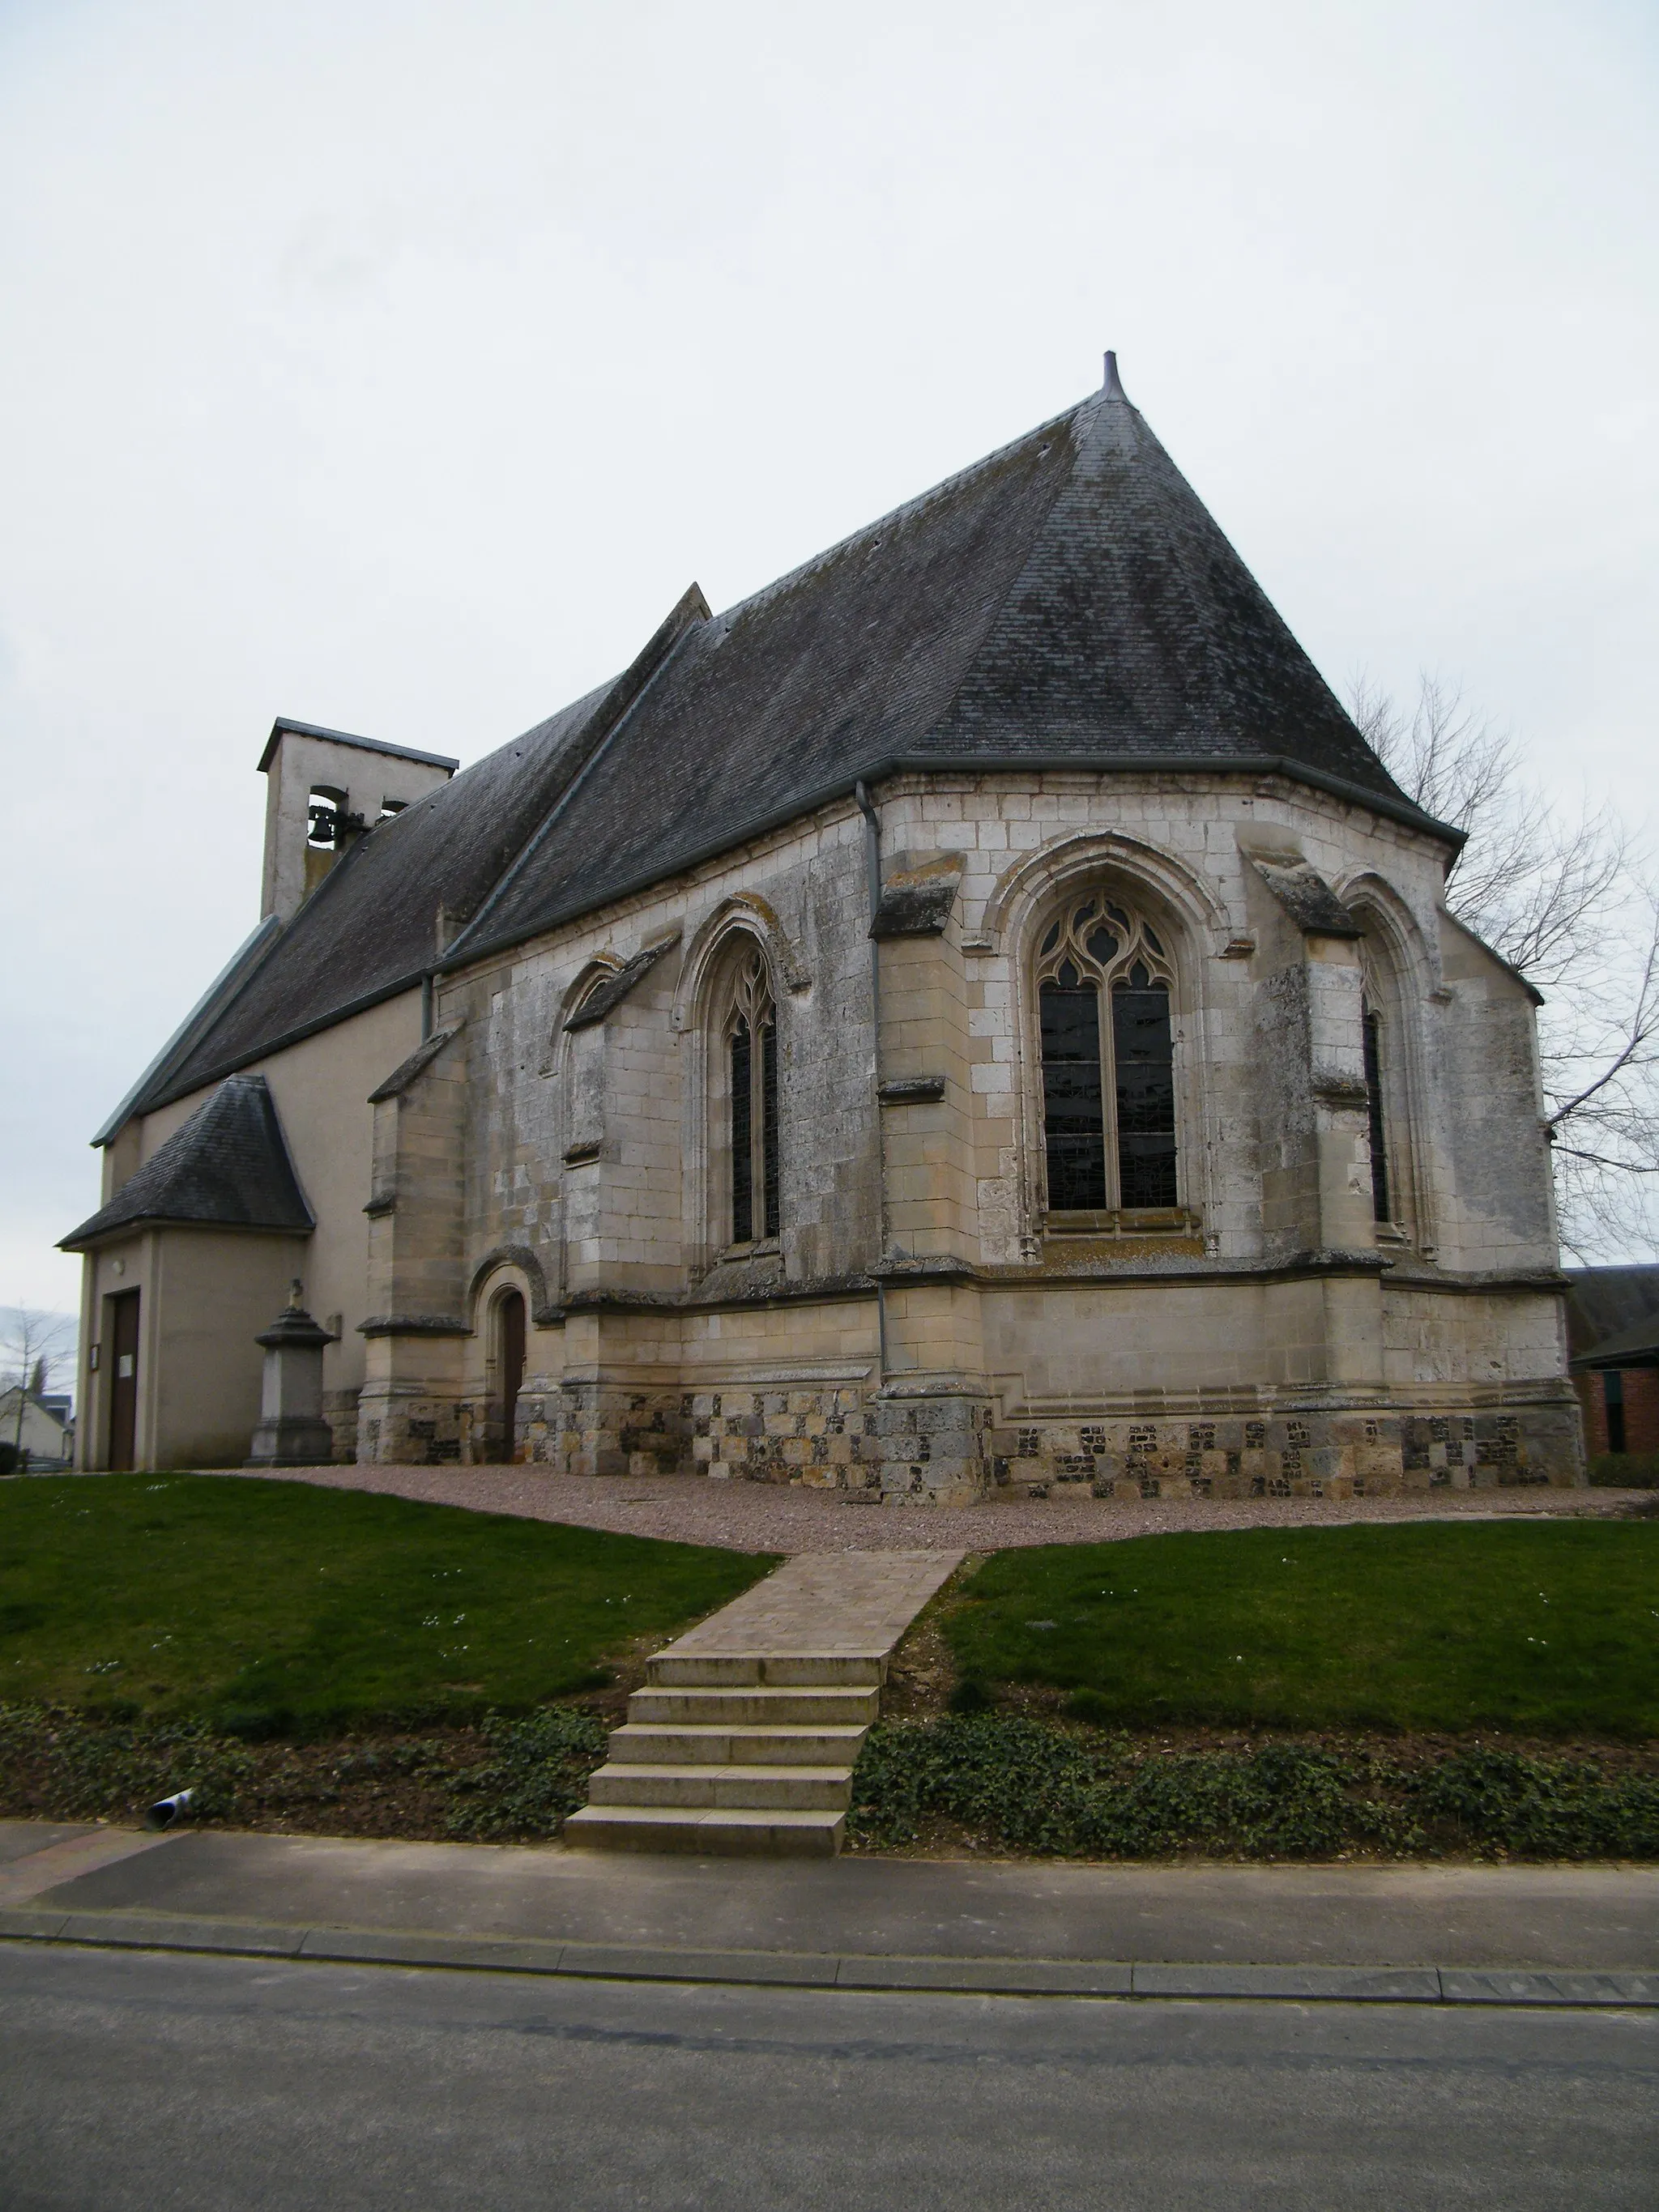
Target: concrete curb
(1073, 1978)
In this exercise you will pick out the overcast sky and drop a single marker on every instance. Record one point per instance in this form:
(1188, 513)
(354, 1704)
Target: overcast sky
(396, 368)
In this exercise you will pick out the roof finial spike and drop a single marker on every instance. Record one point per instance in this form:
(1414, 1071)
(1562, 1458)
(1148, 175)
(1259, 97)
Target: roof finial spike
(1113, 388)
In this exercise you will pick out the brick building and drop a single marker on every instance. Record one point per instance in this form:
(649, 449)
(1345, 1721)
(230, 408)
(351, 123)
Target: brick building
(1613, 1337)
(976, 1012)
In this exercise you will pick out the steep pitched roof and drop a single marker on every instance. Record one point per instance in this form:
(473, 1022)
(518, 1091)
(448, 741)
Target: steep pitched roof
(227, 1167)
(1067, 601)
(368, 929)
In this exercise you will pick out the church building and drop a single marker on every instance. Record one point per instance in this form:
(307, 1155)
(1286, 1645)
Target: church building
(976, 1013)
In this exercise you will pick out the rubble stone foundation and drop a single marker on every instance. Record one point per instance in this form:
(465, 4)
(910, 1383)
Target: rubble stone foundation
(940, 1447)
(1305, 1454)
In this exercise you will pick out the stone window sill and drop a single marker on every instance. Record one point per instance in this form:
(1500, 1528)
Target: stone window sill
(1124, 1221)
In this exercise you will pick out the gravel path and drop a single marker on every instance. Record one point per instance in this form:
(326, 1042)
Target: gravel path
(759, 1517)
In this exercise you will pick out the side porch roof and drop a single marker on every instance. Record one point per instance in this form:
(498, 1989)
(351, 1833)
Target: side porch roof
(228, 1167)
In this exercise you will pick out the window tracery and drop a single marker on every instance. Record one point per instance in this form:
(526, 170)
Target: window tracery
(1372, 1024)
(1108, 1071)
(1378, 1045)
(751, 1050)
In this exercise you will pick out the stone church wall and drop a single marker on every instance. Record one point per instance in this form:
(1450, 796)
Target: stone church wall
(1267, 1339)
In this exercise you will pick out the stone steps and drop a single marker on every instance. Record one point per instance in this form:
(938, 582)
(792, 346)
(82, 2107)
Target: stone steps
(757, 1706)
(745, 1736)
(731, 1833)
(778, 1670)
(728, 1768)
(759, 1789)
(638, 1745)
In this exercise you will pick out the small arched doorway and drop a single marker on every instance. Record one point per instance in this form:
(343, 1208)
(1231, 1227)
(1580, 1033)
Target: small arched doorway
(509, 1370)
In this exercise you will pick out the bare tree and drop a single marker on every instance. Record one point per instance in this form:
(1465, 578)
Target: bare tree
(1572, 902)
(32, 1343)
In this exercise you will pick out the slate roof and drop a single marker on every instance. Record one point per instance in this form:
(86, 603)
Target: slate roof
(1635, 1347)
(1607, 1305)
(1066, 601)
(227, 1167)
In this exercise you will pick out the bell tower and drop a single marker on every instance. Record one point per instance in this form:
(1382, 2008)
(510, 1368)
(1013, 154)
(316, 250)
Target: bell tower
(325, 789)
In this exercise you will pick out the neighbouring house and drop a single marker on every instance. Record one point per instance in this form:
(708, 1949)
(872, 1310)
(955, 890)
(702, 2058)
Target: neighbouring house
(38, 1425)
(1613, 1335)
(976, 1012)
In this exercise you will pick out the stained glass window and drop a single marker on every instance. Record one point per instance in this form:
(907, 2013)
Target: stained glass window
(753, 1068)
(1373, 1033)
(1108, 1101)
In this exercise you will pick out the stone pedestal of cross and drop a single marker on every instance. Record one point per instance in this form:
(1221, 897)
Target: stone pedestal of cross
(292, 1431)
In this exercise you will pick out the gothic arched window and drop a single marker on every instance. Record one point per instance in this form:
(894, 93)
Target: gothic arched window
(1372, 1023)
(751, 1048)
(1390, 985)
(1104, 983)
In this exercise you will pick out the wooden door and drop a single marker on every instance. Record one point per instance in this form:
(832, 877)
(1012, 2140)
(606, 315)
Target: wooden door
(511, 1312)
(123, 1379)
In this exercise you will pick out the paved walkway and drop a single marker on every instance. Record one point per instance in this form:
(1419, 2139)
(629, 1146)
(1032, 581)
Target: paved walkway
(1540, 1935)
(759, 1516)
(858, 1604)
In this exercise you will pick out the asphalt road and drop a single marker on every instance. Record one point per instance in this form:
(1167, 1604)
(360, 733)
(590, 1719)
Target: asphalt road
(143, 2079)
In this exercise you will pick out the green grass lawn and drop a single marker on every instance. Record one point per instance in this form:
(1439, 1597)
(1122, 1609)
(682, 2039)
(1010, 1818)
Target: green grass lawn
(1550, 1628)
(273, 1608)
